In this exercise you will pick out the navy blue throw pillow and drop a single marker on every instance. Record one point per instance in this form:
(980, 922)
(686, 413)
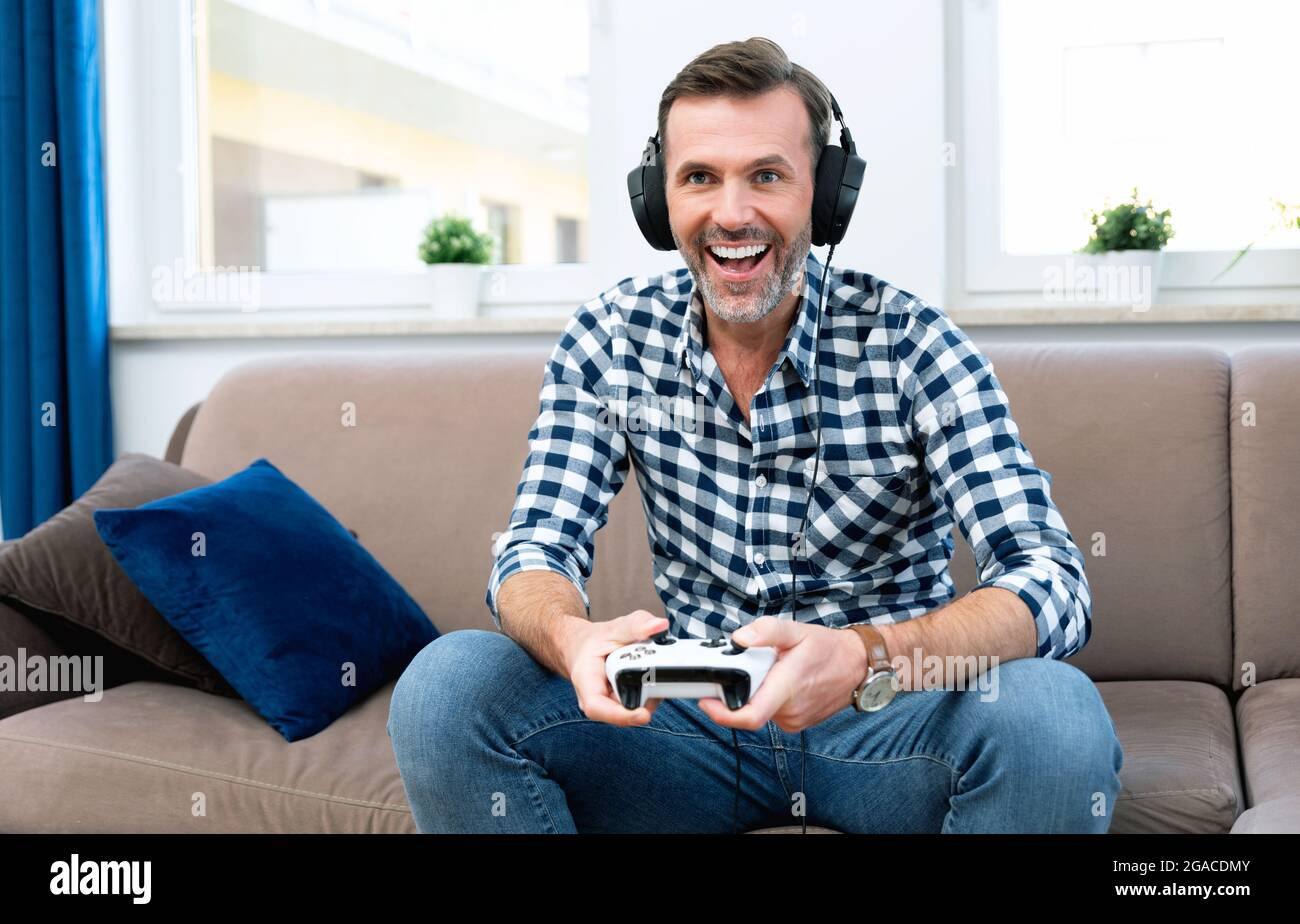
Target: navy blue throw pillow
(273, 591)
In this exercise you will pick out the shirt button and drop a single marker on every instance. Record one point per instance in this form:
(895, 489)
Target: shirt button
(761, 481)
(759, 558)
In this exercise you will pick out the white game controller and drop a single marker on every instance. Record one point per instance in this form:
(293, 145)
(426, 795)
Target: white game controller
(667, 667)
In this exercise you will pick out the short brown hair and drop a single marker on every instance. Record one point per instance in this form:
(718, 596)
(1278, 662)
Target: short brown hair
(746, 69)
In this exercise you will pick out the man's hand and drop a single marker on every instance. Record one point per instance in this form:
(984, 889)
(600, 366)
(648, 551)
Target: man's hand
(816, 671)
(584, 650)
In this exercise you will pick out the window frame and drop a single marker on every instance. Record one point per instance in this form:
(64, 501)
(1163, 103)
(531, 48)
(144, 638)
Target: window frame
(985, 275)
(152, 190)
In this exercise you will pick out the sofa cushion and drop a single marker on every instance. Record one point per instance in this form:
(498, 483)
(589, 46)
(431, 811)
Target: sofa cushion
(1180, 760)
(62, 567)
(1268, 726)
(139, 760)
(1180, 772)
(293, 611)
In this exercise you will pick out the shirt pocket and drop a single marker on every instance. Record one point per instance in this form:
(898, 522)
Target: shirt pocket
(858, 516)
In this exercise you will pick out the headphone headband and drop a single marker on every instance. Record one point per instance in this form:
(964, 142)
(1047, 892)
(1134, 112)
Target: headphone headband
(838, 180)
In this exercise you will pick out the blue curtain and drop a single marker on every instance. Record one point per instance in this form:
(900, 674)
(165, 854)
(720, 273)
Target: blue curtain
(56, 427)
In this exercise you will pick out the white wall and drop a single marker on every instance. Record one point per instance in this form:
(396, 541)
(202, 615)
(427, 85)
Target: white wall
(882, 59)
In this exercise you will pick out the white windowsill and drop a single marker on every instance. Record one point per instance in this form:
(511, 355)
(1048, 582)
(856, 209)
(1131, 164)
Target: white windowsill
(236, 329)
(1097, 314)
(554, 324)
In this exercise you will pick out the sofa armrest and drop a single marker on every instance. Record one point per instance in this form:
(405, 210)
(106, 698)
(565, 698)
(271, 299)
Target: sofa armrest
(176, 445)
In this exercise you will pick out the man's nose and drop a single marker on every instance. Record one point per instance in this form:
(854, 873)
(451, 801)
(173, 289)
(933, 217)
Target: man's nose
(734, 207)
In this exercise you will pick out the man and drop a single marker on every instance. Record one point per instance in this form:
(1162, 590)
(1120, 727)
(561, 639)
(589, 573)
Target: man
(519, 731)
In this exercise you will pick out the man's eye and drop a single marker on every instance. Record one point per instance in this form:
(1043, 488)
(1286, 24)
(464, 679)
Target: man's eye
(695, 174)
(770, 172)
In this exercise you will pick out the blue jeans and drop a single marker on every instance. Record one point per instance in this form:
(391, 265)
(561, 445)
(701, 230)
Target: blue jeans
(489, 740)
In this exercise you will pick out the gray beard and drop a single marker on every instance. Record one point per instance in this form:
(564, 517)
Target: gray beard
(739, 303)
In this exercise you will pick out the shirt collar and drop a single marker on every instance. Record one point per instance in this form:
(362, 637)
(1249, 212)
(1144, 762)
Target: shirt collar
(689, 349)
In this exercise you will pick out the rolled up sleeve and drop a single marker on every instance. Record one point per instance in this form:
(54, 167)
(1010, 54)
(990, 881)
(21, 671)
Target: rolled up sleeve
(575, 465)
(961, 421)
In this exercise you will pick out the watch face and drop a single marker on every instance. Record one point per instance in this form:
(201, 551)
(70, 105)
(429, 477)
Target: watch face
(880, 690)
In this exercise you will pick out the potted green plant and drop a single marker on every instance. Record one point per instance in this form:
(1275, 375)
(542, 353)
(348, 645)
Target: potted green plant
(455, 254)
(1126, 247)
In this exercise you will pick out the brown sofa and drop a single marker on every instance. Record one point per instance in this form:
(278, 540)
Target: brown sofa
(1186, 516)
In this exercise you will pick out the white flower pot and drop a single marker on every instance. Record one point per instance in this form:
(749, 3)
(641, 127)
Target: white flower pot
(1114, 279)
(454, 289)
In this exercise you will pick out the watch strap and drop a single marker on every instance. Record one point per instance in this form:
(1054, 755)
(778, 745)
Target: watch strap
(877, 653)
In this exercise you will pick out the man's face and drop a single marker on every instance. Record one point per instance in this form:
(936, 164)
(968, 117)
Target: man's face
(739, 173)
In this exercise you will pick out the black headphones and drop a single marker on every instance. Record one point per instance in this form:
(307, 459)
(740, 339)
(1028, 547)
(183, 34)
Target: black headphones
(835, 192)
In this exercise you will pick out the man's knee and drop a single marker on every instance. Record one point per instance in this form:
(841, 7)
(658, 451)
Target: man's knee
(1056, 714)
(452, 675)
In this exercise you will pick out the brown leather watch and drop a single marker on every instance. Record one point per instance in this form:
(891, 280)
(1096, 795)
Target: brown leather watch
(881, 683)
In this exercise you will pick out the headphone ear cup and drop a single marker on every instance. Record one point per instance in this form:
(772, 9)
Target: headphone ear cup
(645, 189)
(839, 177)
(656, 203)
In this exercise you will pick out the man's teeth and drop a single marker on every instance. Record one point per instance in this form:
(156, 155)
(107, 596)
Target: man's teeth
(734, 253)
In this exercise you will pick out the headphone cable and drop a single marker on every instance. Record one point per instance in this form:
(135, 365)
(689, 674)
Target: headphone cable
(803, 549)
(803, 528)
(735, 805)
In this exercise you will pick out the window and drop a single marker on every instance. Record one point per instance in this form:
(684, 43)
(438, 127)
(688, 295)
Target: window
(1068, 106)
(568, 244)
(502, 222)
(283, 211)
(317, 138)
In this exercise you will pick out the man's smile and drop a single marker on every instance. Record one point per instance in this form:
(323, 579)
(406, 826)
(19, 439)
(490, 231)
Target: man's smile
(743, 268)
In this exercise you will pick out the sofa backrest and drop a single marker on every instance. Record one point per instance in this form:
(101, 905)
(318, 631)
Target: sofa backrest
(426, 475)
(1135, 439)
(1264, 431)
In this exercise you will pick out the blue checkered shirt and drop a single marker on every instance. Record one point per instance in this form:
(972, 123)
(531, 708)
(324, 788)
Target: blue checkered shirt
(916, 434)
